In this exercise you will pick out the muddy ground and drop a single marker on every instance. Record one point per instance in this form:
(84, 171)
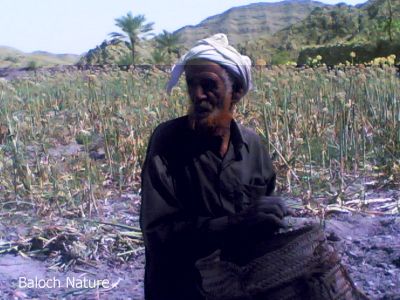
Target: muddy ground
(369, 244)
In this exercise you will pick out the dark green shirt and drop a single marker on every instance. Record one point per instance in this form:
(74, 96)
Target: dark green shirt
(185, 185)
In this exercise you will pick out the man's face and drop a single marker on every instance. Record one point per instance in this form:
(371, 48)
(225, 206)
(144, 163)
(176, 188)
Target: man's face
(210, 92)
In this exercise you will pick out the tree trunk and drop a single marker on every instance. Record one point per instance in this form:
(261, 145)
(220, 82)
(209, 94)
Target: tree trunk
(390, 21)
(133, 51)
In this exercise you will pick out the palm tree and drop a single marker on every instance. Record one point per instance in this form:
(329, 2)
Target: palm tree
(169, 42)
(157, 57)
(134, 29)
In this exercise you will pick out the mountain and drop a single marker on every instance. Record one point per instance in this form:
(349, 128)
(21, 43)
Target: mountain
(250, 22)
(242, 24)
(279, 32)
(11, 57)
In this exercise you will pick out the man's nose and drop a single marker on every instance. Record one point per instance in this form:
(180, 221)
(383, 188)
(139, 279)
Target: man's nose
(199, 93)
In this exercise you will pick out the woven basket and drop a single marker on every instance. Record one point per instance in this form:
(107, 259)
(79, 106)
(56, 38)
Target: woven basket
(299, 264)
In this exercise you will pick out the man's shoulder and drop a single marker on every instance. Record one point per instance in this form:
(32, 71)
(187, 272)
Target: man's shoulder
(249, 135)
(168, 134)
(171, 127)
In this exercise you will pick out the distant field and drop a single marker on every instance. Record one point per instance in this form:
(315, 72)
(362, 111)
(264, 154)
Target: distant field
(71, 138)
(10, 57)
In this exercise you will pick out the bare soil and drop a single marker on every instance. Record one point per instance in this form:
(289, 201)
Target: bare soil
(370, 248)
(121, 277)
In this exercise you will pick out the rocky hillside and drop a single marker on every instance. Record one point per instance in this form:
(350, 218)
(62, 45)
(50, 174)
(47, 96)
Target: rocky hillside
(250, 22)
(343, 23)
(109, 52)
(116, 52)
(370, 30)
(323, 25)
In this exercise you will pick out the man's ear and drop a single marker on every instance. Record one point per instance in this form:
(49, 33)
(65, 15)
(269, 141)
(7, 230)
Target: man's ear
(237, 94)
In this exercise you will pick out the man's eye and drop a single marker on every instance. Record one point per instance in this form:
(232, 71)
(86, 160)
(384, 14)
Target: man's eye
(208, 84)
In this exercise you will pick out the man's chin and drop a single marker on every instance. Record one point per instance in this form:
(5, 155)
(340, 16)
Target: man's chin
(209, 122)
(203, 116)
(202, 121)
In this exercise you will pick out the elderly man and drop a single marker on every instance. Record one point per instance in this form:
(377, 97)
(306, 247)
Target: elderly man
(207, 181)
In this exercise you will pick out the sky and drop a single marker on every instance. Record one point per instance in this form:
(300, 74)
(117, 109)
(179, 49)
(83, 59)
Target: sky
(76, 26)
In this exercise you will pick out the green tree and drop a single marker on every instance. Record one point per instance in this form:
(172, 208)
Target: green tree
(32, 65)
(391, 22)
(158, 57)
(385, 17)
(134, 28)
(169, 42)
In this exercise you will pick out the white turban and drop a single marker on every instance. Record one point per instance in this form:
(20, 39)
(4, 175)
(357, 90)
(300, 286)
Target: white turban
(216, 49)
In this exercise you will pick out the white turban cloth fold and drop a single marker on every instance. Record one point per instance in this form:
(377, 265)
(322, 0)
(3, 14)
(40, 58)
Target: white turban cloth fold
(216, 49)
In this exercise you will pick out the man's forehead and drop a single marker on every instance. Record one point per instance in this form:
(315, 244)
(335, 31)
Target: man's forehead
(203, 65)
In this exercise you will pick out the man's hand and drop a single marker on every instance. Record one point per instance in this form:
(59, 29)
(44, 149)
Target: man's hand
(253, 226)
(266, 215)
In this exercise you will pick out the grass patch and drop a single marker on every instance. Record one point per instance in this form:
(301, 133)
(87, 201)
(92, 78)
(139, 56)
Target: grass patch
(318, 125)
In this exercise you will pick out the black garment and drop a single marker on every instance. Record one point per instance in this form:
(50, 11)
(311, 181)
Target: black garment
(186, 186)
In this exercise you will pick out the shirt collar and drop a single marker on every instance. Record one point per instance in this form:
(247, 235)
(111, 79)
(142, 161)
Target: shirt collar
(238, 137)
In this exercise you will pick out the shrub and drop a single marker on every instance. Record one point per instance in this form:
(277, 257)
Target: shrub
(32, 65)
(334, 55)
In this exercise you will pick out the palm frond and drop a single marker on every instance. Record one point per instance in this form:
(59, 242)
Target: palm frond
(147, 27)
(117, 35)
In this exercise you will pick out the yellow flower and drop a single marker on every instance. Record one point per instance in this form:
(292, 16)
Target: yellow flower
(379, 60)
(391, 59)
(261, 62)
(352, 54)
(291, 63)
(318, 57)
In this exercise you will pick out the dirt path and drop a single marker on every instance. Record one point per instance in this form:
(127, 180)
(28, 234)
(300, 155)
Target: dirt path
(370, 248)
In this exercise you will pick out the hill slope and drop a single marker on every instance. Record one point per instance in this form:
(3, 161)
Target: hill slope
(322, 26)
(372, 29)
(250, 22)
(343, 23)
(10, 57)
